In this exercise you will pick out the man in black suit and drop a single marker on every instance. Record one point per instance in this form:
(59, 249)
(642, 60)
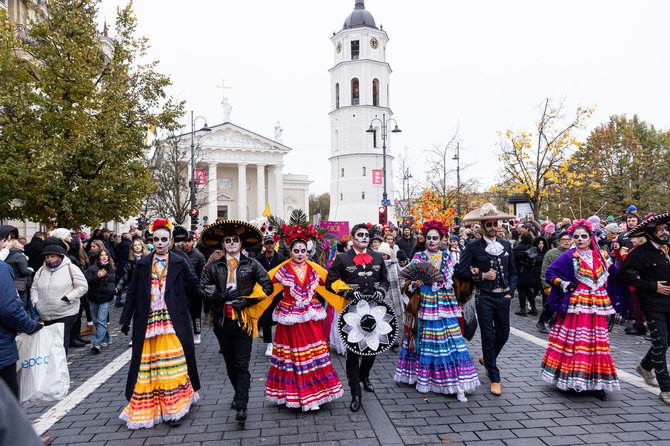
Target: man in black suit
(489, 263)
(362, 269)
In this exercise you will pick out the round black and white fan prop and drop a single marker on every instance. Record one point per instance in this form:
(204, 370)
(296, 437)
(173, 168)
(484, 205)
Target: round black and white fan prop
(368, 325)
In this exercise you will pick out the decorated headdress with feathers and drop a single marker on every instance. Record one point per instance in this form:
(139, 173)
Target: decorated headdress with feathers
(299, 227)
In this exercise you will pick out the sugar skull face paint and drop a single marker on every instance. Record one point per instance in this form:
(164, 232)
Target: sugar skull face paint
(299, 252)
(361, 239)
(433, 240)
(231, 244)
(161, 241)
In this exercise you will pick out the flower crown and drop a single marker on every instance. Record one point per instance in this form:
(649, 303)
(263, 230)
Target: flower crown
(579, 223)
(291, 233)
(433, 224)
(160, 223)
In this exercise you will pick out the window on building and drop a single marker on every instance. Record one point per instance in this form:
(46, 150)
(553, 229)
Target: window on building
(375, 92)
(363, 195)
(355, 49)
(342, 173)
(337, 96)
(355, 92)
(374, 138)
(341, 197)
(364, 171)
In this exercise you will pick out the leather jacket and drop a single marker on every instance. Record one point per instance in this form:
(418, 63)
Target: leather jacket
(475, 255)
(247, 274)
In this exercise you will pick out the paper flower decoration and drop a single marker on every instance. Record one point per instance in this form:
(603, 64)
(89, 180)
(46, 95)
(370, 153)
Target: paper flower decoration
(367, 325)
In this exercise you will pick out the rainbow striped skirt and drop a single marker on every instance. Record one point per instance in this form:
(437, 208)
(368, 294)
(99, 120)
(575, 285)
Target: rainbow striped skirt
(163, 391)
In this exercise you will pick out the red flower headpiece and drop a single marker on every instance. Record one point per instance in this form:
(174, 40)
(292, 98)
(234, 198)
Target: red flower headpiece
(582, 222)
(160, 223)
(433, 224)
(305, 233)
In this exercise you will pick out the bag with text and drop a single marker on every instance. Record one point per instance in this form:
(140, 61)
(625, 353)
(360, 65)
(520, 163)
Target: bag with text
(44, 375)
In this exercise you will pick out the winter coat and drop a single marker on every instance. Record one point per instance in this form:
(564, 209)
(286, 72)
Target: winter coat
(34, 252)
(17, 260)
(642, 269)
(197, 261)
(180, 282)
(100, 289)
(121, 252)
(13, 318)
(406, 244)
(125, 274)
(49, 287)
(524, 263)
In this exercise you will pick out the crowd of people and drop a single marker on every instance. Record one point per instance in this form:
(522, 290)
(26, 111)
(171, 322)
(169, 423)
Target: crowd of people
(350, 297)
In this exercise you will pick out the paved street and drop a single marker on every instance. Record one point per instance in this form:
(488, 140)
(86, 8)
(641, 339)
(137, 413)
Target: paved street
(530, 412)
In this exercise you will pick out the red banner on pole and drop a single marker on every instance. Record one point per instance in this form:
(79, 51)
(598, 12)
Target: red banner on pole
(200, 177)
(377, 177)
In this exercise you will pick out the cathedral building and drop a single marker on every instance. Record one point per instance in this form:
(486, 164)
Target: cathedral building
(360, 92)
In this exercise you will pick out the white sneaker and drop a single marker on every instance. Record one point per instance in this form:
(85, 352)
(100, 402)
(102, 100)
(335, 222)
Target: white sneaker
(315, 408)
(665, 397)
(197, 339)
(130, 344)
(268, 350)
(103, 344)
(649, 378)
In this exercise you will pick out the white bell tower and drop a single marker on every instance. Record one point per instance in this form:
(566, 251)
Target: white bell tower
(360, 92)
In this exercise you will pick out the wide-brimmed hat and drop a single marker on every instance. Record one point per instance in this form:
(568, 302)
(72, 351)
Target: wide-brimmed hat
(487, 212)
(368, 326)
(212, 235)
(53, 249)
(649, 223)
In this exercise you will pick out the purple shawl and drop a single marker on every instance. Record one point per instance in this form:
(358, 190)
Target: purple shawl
(564, 269)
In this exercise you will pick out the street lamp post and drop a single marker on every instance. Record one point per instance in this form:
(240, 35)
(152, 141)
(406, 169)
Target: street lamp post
(204, 128)
(457, 157)
(406, 177)
(384, 122)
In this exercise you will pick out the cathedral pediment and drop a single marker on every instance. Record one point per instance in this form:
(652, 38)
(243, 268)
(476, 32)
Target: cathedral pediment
(229, 136)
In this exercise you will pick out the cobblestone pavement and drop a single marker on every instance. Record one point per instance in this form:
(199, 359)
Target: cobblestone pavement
(529, 412)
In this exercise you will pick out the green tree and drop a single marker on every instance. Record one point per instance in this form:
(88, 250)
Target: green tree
(75, 108)
(319, 203)
(627, 161)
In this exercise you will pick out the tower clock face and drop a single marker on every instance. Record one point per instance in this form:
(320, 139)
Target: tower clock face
(338, 48)
(374, 43)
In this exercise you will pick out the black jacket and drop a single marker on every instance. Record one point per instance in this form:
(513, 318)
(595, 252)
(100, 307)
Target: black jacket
(34, 251)
(247, 274)
(642, 268)
(197, 261)
(121, 252)
(272, 262)
(100, 289)
(125, 274)
(366, 279)
(406, 244)
(524, 263)
(475, 255)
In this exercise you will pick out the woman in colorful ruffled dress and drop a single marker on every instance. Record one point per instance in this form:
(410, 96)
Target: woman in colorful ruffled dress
(578, 356)
(433, 355)
(163, 376)
(301, 373)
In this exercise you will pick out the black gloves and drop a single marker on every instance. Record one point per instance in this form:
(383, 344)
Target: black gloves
(125, 329)
(231, 294)
(38, 328)
(65, 299)
(572, 286)
(241, 303)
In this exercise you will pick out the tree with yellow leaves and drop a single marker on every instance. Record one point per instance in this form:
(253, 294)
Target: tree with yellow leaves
(538, 164)
(430, 206)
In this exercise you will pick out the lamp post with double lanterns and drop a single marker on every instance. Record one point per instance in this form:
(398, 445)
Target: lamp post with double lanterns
(384, 123)
(192, 187)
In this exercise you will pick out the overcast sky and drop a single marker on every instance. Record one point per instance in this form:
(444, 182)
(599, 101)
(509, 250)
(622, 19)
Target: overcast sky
(482, 66)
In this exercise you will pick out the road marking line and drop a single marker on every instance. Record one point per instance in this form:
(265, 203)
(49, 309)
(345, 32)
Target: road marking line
(623, 376)
(56, 413)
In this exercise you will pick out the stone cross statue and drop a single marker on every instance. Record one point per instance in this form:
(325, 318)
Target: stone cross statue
(278, 132)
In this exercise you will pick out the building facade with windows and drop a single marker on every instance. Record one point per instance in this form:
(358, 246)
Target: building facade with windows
(360, 92)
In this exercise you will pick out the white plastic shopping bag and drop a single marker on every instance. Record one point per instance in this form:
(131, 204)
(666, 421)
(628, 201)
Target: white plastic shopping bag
(44, 375)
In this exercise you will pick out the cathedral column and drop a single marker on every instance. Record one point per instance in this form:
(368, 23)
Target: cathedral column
(213, 193)
(260, 188)
(278, 192)
(242, 191)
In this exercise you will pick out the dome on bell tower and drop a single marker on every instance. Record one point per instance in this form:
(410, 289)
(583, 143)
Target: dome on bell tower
(360, 17)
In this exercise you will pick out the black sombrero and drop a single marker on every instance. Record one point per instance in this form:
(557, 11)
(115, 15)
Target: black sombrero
(368, 325)
(649, 223)
(212, 235)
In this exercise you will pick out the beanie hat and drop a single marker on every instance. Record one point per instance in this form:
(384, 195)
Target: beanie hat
(60, 233)
(631, 208)
(612, 227)
(610, 219)
(6, 231)
(453, 237)
(594, 219)
(401, 255)
(384, 248)
(53, 249)
(550, 228)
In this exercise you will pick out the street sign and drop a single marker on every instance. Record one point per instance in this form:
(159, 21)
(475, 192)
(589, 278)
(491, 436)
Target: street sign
(403, 204)
(386, 202)
(404, 214)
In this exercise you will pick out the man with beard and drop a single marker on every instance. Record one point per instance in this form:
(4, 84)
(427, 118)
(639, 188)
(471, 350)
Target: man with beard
(362, 269)
(229, 284)
(406, 242)
(489, 263)
(647, 269)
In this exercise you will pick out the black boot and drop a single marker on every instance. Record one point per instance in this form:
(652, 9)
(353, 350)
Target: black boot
(601, 395)
(533, 309)
(80, 339)
(367, 385)
(521, 312)
(75, 343)
(241, 415)
(355, 403)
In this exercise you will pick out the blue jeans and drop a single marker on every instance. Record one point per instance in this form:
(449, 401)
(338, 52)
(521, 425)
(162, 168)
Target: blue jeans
(493, 315)
(120, 295)
(100, 313)
(659, 326)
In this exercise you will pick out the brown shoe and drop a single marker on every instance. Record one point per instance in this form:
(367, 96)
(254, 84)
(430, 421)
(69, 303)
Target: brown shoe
(89, 330)
(481, 361)
(46, 440)
(109, 327)
(495, 389)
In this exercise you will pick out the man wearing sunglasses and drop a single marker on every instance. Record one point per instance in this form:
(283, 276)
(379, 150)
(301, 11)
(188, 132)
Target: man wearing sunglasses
(364, 270)
(489, 263)
(228, 283)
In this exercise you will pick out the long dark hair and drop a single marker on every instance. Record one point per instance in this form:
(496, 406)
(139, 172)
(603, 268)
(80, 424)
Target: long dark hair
(95, 257)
